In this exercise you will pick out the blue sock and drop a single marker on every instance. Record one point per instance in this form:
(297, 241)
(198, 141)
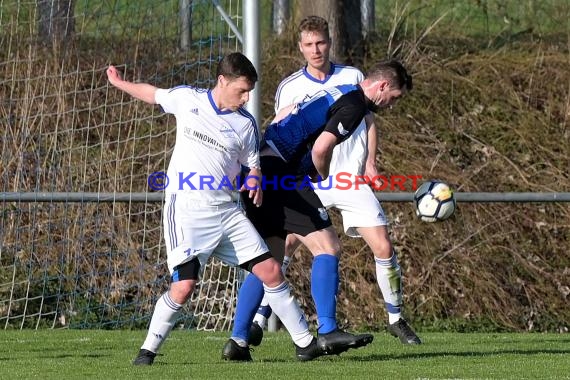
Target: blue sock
(324, 288)
(248, 300)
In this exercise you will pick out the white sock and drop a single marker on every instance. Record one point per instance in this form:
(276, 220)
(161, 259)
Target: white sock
(288, 311)
(389, 278)
(163, 318)
(260, 318)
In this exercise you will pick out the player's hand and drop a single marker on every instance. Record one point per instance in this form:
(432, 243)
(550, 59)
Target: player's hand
(113, 75)
(253, 185)
(372, 172)
(257, 196)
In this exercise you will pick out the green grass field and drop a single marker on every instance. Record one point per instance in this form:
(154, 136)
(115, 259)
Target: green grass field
(80, 354)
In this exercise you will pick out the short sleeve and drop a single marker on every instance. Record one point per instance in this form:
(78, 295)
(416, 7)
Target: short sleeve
(166, 98)
(346, 114)
(249, 155)
(283, 96)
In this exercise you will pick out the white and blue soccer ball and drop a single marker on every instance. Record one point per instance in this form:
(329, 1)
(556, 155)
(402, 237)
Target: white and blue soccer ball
(434, 201)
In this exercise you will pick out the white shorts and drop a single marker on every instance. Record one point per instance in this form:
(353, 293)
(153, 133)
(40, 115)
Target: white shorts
(359, 208)
(192, 229)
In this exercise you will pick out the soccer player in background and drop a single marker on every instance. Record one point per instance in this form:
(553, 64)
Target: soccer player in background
(297, 145)
(361, 211)
(214, 136)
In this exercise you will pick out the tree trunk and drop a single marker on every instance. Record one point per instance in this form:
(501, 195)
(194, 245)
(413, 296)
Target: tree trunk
(354, 42)
(281, 16)
(56, 22)
(185, 12)
(367, 10)
(345, 26)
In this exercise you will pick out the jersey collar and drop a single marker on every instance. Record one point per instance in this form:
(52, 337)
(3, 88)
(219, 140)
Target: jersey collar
(215, 107)
(312, 78)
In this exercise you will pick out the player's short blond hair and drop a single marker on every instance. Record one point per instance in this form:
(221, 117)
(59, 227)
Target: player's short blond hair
(314, 24)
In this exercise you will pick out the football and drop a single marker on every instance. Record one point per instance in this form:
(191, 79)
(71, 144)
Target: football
(434, 201)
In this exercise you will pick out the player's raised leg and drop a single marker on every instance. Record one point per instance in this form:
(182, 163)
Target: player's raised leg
(389, 278)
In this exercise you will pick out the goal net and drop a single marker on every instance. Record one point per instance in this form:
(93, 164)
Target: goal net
(95, 264)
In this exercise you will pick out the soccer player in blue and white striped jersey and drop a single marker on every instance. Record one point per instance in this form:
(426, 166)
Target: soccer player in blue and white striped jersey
(361, 211)
(300, 142)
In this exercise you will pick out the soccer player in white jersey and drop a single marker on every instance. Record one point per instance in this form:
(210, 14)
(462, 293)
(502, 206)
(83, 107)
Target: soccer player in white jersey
(214, 137)
(361, 211)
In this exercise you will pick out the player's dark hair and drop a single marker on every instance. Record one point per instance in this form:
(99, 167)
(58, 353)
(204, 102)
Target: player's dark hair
(235, 65)
(392, 71)
(314, 24)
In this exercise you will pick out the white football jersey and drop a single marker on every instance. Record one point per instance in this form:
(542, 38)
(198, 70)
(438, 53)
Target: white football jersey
(350, 155)
(211, 145)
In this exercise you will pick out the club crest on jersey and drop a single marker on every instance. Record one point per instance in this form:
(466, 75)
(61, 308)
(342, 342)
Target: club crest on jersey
(323, 213)
(341, 130)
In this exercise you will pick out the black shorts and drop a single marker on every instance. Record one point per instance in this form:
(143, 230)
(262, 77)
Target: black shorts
(289, 203)
(186, 271)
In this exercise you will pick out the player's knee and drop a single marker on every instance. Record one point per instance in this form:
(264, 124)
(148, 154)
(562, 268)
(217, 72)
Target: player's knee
(269, 272)
(382, 249)
(331, 243)
(181, 291)
(336, 247)
(323, 241)
(330, 246)
(275, 274)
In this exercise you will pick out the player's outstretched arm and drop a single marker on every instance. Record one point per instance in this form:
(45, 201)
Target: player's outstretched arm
(322, 152)
(141, 91)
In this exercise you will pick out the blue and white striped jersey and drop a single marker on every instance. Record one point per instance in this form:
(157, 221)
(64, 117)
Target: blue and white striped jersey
(350, 156)
(338, 110)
